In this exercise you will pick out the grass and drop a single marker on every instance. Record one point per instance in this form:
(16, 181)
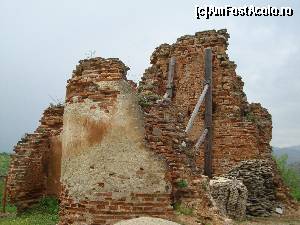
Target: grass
(45, 213)
(4, 164)
(180, 208)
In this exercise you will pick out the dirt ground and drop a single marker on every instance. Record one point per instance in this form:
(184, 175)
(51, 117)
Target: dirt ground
(292, 219)
(271, 221)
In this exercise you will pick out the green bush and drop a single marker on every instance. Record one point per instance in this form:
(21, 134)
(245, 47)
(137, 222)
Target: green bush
(182, 184)
(289, 175)
(4, 163)
(143, 102)
(49, 204)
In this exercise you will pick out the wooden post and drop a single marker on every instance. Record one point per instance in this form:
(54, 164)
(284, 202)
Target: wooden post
(4, 195)
(170, 77)
(208, 114)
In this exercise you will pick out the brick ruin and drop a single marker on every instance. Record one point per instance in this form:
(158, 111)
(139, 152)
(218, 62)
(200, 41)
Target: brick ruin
(241, 131)
(121, 151)
(35, 167)
(238, 125)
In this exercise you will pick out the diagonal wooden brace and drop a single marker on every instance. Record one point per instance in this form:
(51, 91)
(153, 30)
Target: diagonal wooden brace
(196, 109)
(201, 139)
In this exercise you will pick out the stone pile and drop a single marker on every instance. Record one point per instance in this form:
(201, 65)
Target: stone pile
(230, 196)
(258, 177)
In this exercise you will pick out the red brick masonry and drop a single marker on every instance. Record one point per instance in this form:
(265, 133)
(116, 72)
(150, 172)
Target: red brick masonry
(32, 174)
(241, 131)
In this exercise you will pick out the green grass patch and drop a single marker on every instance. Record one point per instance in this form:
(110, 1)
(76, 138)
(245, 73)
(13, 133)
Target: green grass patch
(180, 208)
(4, 164)
(45, 213)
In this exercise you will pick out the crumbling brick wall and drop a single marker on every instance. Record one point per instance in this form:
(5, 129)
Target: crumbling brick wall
(108, 174)
(35, 166)
(114, 165)
(241, 130)
(164, 135)
(124, 151)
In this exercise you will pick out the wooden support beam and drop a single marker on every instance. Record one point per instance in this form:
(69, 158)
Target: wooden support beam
(208, 114)
(196, 109)
(201, 139)
(169, 92)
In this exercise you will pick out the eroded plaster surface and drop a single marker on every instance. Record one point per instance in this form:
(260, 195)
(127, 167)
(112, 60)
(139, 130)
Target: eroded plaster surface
(112, 157)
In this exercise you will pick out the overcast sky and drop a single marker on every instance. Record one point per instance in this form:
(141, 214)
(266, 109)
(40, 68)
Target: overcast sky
(42, 41)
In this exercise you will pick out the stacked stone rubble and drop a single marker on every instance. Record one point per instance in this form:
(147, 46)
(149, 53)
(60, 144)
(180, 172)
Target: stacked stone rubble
(263, 188)
(230, 196)
(29, 173)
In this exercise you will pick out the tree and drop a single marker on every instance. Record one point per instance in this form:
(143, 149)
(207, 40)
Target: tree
(289, 175)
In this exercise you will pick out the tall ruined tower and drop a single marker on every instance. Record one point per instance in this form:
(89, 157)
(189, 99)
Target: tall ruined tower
(241, 130)
(108, 174)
